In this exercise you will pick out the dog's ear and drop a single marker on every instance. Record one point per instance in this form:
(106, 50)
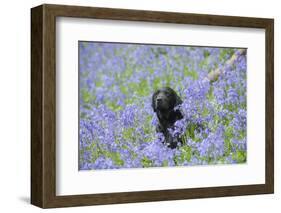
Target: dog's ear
(178, 100)
(153, 101)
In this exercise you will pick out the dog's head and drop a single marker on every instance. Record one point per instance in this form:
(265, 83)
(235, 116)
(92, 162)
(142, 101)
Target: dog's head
(165, 99)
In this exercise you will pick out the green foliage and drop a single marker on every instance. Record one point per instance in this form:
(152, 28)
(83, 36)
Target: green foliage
(190, 132)
(140, 89)
(165, 163)
(240, 156)
(169, 78)
(157, 83)
(115, 156)
(231, 107)
(113, 105)
(97, 152)
(99, 83)
(146, 162)
(125, 74)
(190, 73)
(226, 53)
(124, 90)
(228, 134)
(210, 95)
(206, 53)
(128, 133)
(147, 128)
(86, 96)
(185, 156)
(186, 153)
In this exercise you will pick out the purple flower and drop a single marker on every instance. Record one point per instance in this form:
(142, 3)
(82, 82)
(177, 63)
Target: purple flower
(117, 123)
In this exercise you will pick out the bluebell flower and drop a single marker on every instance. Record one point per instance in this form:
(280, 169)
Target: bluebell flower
(117, 123)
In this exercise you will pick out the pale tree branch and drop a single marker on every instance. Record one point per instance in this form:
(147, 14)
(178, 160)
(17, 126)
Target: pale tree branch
(214, 74)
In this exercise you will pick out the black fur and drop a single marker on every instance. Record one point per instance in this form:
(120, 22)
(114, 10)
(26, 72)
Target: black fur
(164, 101)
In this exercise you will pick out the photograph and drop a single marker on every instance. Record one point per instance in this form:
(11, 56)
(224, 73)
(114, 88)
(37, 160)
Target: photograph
(159, 105)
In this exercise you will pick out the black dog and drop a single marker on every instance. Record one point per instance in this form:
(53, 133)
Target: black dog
(164, 101)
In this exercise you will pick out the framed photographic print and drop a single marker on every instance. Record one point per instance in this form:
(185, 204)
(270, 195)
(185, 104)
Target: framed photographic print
(136, 106)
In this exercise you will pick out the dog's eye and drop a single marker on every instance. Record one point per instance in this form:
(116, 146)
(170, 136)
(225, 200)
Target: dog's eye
(167, 94)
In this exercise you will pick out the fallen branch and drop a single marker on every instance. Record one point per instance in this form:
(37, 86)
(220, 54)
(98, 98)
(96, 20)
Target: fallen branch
(214, 74)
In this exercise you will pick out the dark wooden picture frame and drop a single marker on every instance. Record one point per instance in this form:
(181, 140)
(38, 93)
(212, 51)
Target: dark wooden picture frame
(43, 105)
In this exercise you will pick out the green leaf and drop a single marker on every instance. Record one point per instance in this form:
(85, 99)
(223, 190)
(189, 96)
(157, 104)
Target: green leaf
(115, 156)
(190, 73)
(165, 163)
(229, 133)
(146, 162)
(187, 153)
(113, 106)
(210, 94)
(240, 156)
(128, 133)
(86, 96)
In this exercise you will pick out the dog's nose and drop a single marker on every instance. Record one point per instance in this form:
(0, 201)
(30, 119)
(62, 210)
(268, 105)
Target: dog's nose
(158, 99)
